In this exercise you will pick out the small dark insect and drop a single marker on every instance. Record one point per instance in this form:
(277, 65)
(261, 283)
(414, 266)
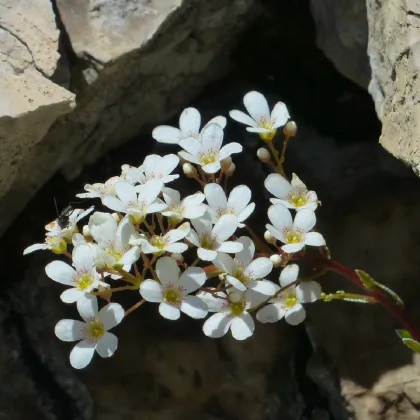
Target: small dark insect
(63, 216)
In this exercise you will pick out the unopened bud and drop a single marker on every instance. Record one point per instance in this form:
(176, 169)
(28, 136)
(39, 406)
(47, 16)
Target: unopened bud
(231, 170)
(263, 155)
(86, 230)
(276, 260)
(225, 163)
(269, 237)
(290, 129)
(189, 170)
(177, 256)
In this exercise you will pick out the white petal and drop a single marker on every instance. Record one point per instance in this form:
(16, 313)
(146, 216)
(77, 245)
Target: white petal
(278, 234)
(265, 287)
(192, 279)
(82, 354)
(214, 304)
(176, 235)
(278, 186)
(242, 118)
(242, 327)
(239, 198)
(131, 256)
(246, 212)
(189, 122)
(188, 156)
(211, 168)
(107, 345)
(169, 311)
(285, 203)
(224, 228)
(229, 149)
(178, 248)
(83, 257)
(87, 306)
(220, 120)
(102, 227)
(314, 239)
(254, 298)
(168, 164)
(60, 272)
(280, 217)
(295, 315)
(72, 295)
(224, 262)
(114, 203)
(111, 315)
(150, 190)
(230, 247)
(124, 231)
(192, 147)
(194, 307)
(211, 137)
(69, 330)
(308, 291)
(292, 248)
(289, 274)
(217, 325)
(258, 130)
(170, 195)
(125, 192)
(167, 270)
(151, 290)
(304, 220)
(271, 313)
(236, 283)
(247, 254)
(206, 254)
(34, 247)
(257, 106)
(259, 268)
(279, 115)
(166, 134)
(203, 225)
(193, 238)
(215, 196)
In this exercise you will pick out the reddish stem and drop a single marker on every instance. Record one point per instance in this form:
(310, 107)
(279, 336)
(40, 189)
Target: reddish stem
(380, 297)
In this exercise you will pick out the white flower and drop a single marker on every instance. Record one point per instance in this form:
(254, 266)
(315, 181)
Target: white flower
(56, 244)
(295, 234)
(212, 239)
(173, 291)
(55, 229)
(245, 273)
(93, 333)
(292, 195)
(154, 167)
(237, 203)
(100, 190)
(159, 244)
(262, 121)
(190, 207)
(84, 278)
(207, 152)
(112, 240)
(288, 304)
(138, 201)
(189, 126)
(231, 313)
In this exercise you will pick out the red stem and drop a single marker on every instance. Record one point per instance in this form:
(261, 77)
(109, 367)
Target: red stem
(381, 298)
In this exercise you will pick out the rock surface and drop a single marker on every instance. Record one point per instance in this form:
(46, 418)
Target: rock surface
(131, 64)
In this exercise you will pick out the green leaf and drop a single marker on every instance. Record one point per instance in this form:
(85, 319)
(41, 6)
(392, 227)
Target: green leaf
(403, 334)
(408, 340)
(367, 280)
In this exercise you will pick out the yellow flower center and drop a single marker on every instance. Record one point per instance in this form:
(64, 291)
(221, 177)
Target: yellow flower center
(290, 301)
(114, 254)
(95, 330)
(158, 242)
(268, 126)
(84, 282)
(298, 200)
(293, 237)
(208, 158)
(173, 295)
(237, 308)
(137, 219)
(207, 243)
(241, 276)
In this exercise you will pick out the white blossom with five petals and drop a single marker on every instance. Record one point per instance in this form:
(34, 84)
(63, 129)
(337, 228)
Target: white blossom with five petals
(288, 304)
(190, 207)
(293, 195)
(93, 332)
(172, 291)
(189, 127)
(260, 120)
(208, 151)
(238, 203)
(295, 234)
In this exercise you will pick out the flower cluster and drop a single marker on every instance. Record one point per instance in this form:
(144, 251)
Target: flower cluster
(191, 255)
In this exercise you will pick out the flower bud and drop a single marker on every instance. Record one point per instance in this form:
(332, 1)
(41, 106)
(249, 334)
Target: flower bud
(276, 260)
(263, 155)
(231, 170)
(189, 170)
(225, 163)
(290, 129)
(269, 237)
(177, 256)
(86, 231)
